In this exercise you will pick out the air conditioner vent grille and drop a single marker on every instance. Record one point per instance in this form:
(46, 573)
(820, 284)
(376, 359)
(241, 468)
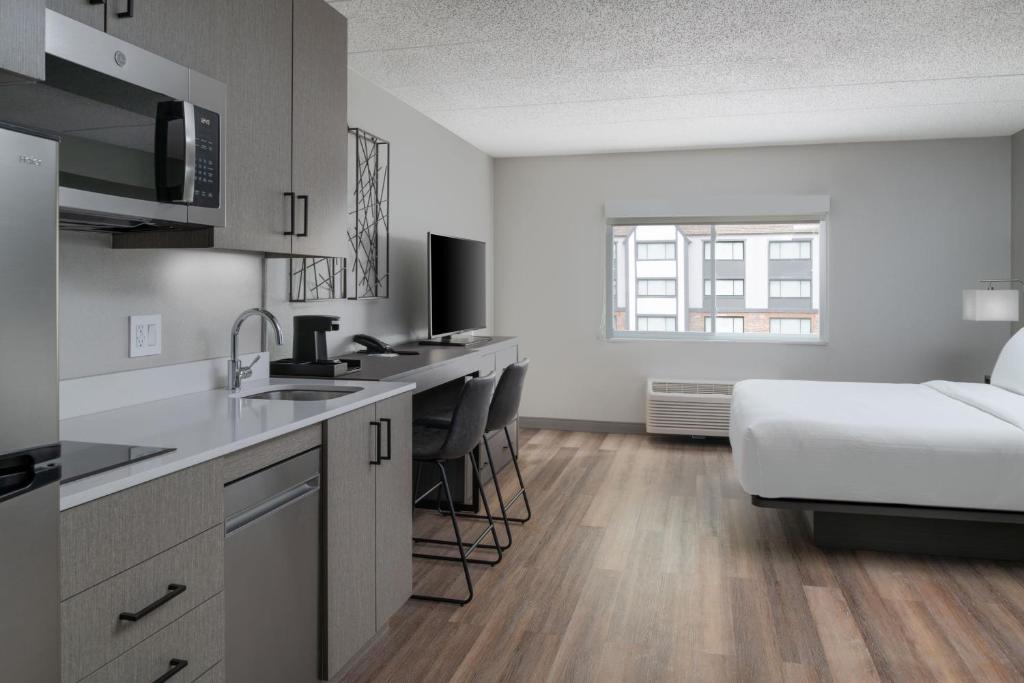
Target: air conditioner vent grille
(695, 407)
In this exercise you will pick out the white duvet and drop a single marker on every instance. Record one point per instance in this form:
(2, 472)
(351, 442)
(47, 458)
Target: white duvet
(943, 444)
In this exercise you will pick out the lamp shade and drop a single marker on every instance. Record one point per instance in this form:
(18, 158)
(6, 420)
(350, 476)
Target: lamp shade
(1002, 305)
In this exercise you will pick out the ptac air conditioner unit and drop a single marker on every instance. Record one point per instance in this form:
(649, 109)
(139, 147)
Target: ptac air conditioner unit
(695, 407)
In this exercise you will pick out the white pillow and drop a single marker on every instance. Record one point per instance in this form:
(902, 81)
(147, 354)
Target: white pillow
(1009, 370)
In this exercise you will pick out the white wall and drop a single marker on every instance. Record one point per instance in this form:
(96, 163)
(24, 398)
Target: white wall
(1018, 206)
(439, 183)
(911, 225)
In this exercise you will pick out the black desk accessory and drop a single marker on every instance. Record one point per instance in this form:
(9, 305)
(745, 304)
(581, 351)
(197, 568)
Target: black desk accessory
(325, 369)
(375, 346)
(309, 337)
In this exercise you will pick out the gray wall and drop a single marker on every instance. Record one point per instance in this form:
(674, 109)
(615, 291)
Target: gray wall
(439, 183)
(911, 225)
(197, 293)
(1018, 207)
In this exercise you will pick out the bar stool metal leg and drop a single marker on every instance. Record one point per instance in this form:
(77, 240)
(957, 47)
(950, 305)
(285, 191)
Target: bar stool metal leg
(522, 484)
(463, 555)
(501, 501)
(467, 547)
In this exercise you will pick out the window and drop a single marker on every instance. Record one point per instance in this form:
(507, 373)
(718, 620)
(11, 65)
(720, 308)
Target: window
(724, 251)
(778, 251)
(729, 324)
(789, 289)
(656, 251)
(656, 323)
(651, 287)
(789, 325)
(724, 288)
(759, 280)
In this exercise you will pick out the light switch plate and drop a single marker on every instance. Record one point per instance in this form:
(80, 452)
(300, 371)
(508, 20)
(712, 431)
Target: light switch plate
(144, 333)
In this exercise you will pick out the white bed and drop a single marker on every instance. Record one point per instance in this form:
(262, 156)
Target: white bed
(938, 444)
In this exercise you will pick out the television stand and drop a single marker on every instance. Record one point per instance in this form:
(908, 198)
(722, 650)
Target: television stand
(448, 340)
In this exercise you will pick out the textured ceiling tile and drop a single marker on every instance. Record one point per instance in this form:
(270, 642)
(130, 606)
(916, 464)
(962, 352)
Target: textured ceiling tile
(513, 76)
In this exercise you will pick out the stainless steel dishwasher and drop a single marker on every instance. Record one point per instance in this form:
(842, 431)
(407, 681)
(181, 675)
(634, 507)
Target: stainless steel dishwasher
(272, 573)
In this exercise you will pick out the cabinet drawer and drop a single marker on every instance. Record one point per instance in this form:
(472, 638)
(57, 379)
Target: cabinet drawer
(93, 634)
(506, 357)
(197, 639)
(111, 534)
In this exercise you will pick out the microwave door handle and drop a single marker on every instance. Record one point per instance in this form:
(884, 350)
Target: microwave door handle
(188, 186)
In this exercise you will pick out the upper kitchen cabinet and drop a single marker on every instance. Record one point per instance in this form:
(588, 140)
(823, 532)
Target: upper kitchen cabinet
(189, 32)
(88, 12)
(258, 73)
(22, 40)
(320, 128)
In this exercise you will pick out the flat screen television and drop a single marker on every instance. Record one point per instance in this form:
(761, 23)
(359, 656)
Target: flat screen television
(456, 286)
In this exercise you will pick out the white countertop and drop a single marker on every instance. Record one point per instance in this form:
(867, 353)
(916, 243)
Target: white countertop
(203, 426)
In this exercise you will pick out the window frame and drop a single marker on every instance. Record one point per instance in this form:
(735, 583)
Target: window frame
(675, 251)
(673, 295)
(801, 242)
(820, 256)
(780, 280)
(645, 316)
(780, 319)
(717, 318)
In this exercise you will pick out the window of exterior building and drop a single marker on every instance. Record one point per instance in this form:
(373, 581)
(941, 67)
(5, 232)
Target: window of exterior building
(655, 323)
(790, 251)
(726, 324)
(656, 251)
(655, 287)
(789, 326)
(724, 288)
(698, 280)
(724, 251)
(789, 289)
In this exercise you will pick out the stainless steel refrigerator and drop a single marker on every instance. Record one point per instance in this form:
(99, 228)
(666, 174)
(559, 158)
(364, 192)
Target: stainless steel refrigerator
(29, 450)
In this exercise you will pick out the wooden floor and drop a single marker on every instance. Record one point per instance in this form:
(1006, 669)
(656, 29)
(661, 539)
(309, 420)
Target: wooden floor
(646, 561)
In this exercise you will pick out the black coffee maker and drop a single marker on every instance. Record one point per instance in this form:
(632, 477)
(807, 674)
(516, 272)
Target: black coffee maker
(309, 337)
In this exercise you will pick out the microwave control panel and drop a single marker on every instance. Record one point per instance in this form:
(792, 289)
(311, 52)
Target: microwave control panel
(208, 172)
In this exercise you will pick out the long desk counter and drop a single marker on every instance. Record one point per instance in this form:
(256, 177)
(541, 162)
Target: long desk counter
(437, 372)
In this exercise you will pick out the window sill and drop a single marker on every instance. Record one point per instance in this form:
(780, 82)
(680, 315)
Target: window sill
(700, 339)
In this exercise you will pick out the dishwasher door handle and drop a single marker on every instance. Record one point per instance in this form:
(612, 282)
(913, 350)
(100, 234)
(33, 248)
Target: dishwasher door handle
(272, 504)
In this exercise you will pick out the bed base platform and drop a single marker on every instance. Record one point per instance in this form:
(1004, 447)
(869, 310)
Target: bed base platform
(952, 532)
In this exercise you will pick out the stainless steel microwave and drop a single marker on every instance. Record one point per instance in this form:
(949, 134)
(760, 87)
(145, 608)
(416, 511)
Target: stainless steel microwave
(142, 138)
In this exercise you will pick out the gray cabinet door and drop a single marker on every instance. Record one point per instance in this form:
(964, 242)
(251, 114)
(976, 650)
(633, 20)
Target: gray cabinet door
(189, 32)
(394, 509)
(22, 40)
(320, 139)
(79, 10)
(349, 536)
(258, 72)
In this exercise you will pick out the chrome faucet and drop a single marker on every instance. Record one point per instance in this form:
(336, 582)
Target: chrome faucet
(236, 372)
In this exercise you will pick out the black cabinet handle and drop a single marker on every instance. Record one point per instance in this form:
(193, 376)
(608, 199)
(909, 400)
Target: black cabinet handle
(173, 591)
(305, 216)
(175, 665)
(387, 421)
(291, 228)
(128, 12)
(376, 460)
(97, 2)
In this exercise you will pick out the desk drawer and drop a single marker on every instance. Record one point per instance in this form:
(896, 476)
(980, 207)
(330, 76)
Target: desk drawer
(197, 639)
(93, 634)
(111, 534)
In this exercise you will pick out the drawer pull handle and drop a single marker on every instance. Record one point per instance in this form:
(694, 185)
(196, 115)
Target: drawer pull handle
(175, 665)
(377, 452)
(173, 591)
(387, 421)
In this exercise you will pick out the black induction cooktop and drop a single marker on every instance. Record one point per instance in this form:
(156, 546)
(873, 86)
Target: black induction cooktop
(80, 459)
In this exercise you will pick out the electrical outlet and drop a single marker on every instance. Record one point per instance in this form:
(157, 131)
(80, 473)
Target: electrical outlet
(144, 335)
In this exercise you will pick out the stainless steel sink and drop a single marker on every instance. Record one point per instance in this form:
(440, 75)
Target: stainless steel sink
(305, 394)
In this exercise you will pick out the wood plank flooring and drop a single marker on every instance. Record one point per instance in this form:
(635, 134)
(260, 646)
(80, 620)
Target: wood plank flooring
(646, 561)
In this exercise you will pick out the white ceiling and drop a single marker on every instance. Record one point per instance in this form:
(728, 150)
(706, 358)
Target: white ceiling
(536, 77)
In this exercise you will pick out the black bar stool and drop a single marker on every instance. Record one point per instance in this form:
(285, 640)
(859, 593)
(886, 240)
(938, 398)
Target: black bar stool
(441, 445)
(503, 411)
